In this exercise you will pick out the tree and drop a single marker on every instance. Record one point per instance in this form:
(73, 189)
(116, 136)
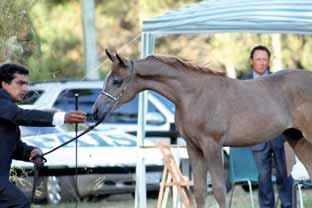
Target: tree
(53, 49)
(18, 38)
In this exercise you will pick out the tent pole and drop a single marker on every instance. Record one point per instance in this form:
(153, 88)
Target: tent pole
(147, 48)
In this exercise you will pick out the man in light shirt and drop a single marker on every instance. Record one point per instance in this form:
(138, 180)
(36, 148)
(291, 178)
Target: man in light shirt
(273, 149)
(13, 87)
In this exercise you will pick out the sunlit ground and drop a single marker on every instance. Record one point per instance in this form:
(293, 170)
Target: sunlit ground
(241, 199)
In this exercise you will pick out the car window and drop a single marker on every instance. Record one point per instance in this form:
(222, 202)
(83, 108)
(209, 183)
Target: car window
(33, 131)
(31, 97)
(128, 112)
(66, 100)
(169, 105)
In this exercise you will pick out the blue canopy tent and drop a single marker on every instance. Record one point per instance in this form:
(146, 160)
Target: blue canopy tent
(211, 16)
(219, 16)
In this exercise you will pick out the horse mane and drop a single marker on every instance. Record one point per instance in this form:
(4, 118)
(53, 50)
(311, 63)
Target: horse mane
(188, 65)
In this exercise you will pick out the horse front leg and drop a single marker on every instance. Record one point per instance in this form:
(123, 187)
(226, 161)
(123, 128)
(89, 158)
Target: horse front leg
(215, 164)
(200, 168)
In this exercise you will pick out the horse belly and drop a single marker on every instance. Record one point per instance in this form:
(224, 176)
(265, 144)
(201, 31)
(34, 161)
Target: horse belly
(245, 131)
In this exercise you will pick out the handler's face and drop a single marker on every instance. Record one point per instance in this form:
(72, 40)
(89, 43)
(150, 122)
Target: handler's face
(18, 87)
(260, 61)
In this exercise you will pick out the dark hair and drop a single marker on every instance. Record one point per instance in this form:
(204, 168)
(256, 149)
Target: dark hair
(7, 72)
(261, 48)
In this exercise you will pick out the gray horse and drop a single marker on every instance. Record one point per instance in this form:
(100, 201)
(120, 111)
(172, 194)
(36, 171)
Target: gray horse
(213, 111)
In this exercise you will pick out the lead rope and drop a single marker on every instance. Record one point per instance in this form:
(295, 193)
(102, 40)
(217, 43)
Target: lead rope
(38, 166)
(116, 102)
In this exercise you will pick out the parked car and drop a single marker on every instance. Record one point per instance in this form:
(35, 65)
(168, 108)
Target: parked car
(60, 95)
(106, 164)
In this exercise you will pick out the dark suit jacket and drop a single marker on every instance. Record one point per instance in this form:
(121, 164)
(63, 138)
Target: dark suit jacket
(11, 145)
(277, 142)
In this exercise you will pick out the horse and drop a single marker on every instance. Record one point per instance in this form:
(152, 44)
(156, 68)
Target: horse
(213, 110)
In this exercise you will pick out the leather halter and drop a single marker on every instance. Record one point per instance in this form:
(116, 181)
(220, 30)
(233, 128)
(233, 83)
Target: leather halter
(116, 99)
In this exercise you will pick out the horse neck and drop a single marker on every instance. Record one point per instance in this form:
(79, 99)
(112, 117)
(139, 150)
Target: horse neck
(156, 76)
(166, 80)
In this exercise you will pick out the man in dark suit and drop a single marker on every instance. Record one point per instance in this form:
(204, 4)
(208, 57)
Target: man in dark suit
(13, 87)
(265, 152)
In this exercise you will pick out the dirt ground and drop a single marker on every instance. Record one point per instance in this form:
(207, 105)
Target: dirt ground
(241, 199)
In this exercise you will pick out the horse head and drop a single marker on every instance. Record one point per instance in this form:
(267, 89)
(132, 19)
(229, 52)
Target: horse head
(118, 86)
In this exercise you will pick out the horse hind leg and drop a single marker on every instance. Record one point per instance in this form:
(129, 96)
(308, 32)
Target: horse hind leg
(301, 146)
(301, 139)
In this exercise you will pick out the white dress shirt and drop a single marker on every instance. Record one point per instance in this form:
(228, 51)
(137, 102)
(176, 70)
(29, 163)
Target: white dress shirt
(58, 118)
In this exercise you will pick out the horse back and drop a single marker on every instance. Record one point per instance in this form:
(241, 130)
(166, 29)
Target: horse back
(271, 102)
(295, 85)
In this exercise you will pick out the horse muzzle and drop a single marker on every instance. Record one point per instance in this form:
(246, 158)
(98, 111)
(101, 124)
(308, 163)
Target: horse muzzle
(98, 114)
(100, 110)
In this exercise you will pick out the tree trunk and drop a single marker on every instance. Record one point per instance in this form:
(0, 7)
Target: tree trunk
(230, 69)
(277, 52)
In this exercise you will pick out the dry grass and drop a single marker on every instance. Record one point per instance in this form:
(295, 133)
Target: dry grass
(240, 200)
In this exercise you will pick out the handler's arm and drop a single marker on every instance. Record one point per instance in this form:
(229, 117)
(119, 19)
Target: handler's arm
(12, 113)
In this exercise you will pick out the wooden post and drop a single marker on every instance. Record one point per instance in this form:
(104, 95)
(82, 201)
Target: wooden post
(89, 39)
(172, 177)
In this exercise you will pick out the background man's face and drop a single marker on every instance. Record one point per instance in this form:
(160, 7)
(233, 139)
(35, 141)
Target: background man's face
(18, 87)
(260, 61)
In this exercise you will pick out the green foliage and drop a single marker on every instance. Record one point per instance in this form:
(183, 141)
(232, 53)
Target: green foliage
(61, 44)
(47, 37)
(17, 34)
(18, 178)
(297, 51)
(157, 7)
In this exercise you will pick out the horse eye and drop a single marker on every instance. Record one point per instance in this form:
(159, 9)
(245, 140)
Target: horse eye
(117, 81)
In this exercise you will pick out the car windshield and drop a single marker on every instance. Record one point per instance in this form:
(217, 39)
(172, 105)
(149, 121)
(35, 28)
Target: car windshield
(32, 131)
(31, 97)
(128, 112)
(170, 106)
(66, 100)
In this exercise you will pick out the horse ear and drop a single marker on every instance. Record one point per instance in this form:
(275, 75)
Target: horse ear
(110, 55)
(121, 61)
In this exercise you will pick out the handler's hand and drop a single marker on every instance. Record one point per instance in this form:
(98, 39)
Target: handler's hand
(75, 117)
(33, 158)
